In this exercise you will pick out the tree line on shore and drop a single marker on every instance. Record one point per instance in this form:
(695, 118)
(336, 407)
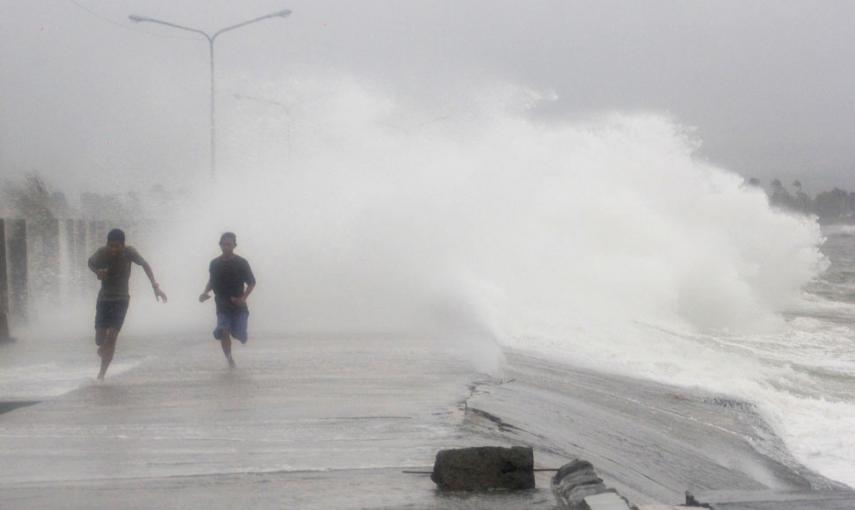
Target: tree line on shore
(832, 206)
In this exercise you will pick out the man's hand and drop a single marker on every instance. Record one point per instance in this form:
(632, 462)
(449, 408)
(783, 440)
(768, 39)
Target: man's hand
(158, 294)
(101, 273)
(239, 301)
(204, 297)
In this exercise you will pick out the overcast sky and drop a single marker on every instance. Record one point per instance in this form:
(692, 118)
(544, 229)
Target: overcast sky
(768, 84)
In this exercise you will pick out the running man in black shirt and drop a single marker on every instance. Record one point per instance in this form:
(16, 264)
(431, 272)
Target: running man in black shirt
(229, 273)
(112, 265)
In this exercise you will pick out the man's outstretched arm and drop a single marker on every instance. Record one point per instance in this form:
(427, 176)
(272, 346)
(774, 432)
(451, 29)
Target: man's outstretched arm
(137, 258)
(206, 294)
(158, 294)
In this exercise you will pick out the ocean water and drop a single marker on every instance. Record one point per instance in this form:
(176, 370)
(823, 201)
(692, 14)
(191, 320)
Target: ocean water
(799, 375)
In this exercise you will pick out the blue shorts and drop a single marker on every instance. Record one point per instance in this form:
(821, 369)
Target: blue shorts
(233, 322)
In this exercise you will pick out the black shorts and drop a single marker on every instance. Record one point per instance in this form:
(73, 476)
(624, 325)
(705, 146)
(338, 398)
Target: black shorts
(110, 314)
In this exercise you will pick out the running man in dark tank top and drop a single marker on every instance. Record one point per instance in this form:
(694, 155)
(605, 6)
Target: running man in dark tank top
(232, 281)
(112, 265)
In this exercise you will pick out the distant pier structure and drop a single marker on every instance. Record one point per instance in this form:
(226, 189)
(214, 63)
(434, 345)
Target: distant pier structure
(43, 266)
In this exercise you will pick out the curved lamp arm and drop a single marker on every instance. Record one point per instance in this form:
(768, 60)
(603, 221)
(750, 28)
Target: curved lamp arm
(281, 14)
(144, 19)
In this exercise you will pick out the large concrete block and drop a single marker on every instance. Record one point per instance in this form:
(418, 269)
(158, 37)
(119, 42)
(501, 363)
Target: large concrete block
(483, 468)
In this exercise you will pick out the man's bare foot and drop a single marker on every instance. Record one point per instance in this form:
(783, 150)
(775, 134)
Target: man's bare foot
(100, 377)
(232, 363)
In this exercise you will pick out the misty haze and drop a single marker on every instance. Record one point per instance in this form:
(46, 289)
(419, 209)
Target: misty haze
(282, 254)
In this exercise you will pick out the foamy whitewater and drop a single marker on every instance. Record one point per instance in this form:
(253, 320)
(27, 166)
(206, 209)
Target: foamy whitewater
(604, 242)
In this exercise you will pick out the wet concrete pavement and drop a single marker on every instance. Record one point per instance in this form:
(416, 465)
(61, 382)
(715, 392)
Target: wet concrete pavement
(302, 423)
(650, 441)
(331, 423)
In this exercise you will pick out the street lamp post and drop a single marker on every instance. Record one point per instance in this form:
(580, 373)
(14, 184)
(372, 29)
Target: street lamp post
(211, 38)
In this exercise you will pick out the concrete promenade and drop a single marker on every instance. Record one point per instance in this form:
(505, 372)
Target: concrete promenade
(302, 423)
(331, 423)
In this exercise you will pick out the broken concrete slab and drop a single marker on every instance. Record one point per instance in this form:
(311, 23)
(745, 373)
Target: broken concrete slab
(607, 501)
(574, 482)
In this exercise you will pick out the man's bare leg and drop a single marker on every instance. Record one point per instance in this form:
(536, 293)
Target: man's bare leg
(226, 343)
(100, 337)
(101, 341)
(107, 349)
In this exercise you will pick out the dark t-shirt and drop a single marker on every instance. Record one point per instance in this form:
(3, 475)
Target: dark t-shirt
(228, 277)
(115, 286)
